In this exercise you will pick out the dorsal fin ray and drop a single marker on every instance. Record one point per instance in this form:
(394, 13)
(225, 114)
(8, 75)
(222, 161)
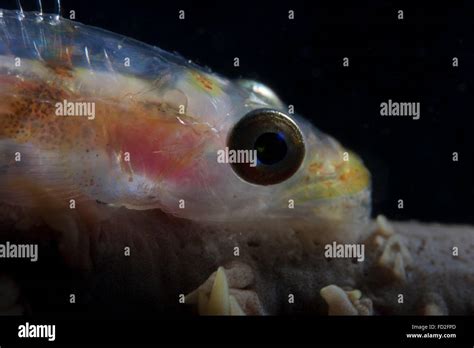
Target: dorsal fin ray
(58, 9)
(39, 9)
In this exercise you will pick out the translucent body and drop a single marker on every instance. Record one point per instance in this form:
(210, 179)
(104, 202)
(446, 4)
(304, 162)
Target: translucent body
(152, 143)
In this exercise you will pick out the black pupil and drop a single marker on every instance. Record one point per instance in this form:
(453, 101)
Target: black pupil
(271, 148)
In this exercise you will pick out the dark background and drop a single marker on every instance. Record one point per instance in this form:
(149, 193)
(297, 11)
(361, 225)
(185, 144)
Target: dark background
(407, 60)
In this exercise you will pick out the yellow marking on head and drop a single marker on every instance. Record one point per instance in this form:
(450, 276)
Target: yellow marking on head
(328, 180)
(205, 82)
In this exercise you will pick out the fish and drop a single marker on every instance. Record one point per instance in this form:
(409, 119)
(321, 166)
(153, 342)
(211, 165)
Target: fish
(100, 131)
(159, 123)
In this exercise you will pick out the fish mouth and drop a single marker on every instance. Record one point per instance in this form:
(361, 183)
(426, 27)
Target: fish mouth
(331, 187)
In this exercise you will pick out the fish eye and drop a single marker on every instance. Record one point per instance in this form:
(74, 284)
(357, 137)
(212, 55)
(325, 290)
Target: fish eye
(275, 142)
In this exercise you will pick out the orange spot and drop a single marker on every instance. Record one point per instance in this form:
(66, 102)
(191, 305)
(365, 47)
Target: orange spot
(203, 81)
(345, 176)
(314, 168)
